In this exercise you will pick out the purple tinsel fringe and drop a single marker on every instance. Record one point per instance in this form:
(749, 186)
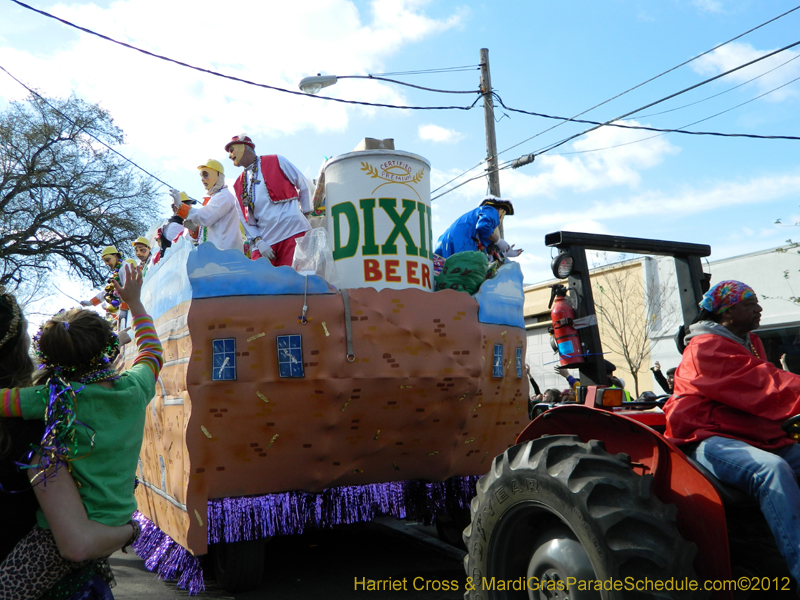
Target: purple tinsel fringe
(254, 517)
(167, 557)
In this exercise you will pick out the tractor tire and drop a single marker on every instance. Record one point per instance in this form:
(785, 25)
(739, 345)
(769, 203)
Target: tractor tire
(556, 509)
(239, 566)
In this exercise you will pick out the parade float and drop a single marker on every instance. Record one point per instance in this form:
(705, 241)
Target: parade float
(286, 403)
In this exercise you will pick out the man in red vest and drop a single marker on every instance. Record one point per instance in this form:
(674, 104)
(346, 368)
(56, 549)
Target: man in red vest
(273, 197)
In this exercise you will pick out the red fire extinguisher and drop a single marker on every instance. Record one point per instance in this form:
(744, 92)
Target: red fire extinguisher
(565, 336)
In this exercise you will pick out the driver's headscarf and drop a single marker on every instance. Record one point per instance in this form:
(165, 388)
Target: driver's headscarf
(724, 295)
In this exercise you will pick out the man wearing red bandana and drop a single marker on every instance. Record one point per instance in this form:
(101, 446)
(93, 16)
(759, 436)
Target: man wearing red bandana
(727, 408)
(273, 197)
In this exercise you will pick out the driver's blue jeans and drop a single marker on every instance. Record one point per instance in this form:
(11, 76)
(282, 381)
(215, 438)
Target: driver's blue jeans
(770, 477)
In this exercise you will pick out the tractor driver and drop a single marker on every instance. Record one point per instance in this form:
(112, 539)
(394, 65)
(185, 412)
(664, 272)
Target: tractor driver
(728, 405)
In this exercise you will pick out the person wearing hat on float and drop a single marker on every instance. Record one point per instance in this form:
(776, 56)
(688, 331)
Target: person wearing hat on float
(728, 405)
(113, 260)
(218, 216)
(477, 230)
(169, 233)
(273, 198)
(141, 247)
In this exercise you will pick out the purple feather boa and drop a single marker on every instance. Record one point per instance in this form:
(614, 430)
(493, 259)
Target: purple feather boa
(254, 517)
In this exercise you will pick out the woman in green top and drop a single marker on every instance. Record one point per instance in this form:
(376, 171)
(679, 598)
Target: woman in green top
(98, 438)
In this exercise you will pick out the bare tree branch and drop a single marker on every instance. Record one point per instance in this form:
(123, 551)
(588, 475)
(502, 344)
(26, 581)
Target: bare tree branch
(63, 196)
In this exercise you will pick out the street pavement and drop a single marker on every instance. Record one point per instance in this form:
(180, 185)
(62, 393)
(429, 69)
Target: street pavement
(327, 564)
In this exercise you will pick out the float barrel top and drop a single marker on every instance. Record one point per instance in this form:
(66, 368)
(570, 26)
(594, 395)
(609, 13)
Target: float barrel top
(363, 153)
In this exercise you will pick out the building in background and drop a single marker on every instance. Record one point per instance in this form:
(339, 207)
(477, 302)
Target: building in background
(639, 313)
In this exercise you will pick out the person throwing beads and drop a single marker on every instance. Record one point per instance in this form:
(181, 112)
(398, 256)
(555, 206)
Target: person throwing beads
(268, 192)
(104, 430)
(478, 230)
(216, 217)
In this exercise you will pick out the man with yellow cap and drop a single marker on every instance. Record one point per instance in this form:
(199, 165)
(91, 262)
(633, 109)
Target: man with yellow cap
(218, 215)
(273, 197)
(141, 248)
(114, 305)
(113, 260)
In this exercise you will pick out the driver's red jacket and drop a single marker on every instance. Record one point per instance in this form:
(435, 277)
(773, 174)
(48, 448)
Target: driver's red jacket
(723, 389)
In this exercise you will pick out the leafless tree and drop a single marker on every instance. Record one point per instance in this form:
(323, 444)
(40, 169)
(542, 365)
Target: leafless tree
(64, 196)
(631, 313)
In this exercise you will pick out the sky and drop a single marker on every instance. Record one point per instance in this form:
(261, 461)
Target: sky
(553, 58)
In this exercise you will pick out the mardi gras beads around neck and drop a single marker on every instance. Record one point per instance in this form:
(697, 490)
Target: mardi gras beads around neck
(111, 296)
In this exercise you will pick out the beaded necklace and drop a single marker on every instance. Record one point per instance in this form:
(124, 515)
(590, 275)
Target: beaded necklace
(111, 293)
(59, 446)
(105, 374)
(249, 190)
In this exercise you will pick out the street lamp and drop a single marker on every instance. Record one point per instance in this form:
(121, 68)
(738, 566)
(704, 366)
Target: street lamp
(312, 85)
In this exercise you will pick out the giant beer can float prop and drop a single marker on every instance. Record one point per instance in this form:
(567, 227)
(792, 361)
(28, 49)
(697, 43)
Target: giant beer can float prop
(378, 204)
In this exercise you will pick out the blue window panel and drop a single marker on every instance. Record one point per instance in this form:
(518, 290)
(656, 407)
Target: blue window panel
(497, 363)
(290, 356)
(223, 362)
(519, 363)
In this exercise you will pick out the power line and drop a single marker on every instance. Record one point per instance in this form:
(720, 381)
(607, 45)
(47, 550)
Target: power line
(661, 130)
(563, 120)
(624, 126)
(690, 124)
(683, 91)
(458, 177)
(694, 58)
(663, 112)
(71, 122)
(653, 78)
(574, 118)
(239, 79)
(419, 87)
(430, 71)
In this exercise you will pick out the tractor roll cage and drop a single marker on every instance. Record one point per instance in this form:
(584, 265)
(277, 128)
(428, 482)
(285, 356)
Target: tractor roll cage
(688, 268)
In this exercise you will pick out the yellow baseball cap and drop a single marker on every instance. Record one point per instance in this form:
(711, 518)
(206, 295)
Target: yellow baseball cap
(213, 164)
(141, 240)
(109, 250)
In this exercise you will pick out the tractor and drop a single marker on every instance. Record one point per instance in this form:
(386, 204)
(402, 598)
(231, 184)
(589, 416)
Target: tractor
(593, 502)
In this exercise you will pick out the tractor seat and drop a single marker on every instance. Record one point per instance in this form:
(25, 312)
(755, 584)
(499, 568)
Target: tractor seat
(731, 496)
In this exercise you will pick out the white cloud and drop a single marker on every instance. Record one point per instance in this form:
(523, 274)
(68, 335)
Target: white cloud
(169, 112)
(587, 226)
(618, 164)
(435, 133)
(735, 54)
(708, 6)
(689, 202)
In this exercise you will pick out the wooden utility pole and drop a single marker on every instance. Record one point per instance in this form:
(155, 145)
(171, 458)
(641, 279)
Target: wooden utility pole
(488, 118)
